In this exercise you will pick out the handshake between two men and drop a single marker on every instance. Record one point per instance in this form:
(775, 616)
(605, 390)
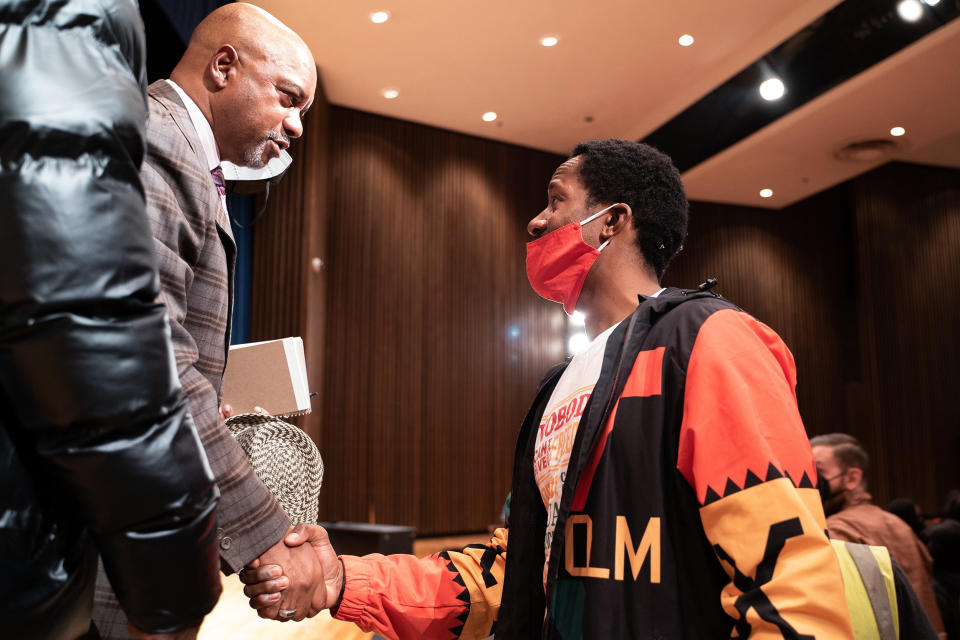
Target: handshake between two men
(296, 579)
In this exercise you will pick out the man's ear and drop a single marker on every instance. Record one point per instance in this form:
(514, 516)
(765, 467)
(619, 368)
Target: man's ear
(616, 219)
(223, 61)
(852, 478)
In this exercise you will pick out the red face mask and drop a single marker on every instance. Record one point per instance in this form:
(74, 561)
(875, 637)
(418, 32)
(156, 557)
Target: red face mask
(558, 263)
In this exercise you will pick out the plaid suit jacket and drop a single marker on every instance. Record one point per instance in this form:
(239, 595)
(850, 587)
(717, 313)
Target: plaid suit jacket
(195, 254)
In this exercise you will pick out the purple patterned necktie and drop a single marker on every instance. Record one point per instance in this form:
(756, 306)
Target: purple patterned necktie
(218, 180)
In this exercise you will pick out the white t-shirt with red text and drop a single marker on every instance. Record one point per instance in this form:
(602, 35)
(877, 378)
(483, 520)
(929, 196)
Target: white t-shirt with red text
(558, 429)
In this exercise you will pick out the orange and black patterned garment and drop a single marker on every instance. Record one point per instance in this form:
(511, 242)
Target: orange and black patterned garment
(689, 508)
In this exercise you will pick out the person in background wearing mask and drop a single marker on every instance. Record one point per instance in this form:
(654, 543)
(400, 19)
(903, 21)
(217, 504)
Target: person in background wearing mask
(98, 452)
(852, 516)
(663, 483)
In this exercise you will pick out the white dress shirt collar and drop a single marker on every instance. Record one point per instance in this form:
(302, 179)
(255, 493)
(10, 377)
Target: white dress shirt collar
(207, 141)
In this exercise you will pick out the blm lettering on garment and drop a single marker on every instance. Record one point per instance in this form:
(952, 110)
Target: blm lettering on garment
(579, 543)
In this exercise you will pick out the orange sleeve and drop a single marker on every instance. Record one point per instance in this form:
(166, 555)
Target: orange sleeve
(744, 451)
(453, 594)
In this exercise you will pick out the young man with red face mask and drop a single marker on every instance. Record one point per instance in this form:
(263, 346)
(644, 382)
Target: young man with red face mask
(663, 483)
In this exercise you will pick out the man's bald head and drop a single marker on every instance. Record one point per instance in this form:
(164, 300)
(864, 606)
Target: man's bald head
(252, 77)
(249, 29)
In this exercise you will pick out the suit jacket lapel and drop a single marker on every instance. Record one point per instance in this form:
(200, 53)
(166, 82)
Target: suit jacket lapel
(170, 99)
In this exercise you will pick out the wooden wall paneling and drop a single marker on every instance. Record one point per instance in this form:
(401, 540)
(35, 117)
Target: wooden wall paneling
(277, 253)
(908, 227)
(459, 418)
(345, 414)
(426, 279)
(395, 210)
(313, 264)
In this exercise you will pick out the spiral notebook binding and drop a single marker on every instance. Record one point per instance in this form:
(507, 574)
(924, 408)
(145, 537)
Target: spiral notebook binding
(295, 414)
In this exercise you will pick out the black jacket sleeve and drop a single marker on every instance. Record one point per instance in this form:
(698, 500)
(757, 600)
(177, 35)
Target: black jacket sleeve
(97, 442)
(914, 623)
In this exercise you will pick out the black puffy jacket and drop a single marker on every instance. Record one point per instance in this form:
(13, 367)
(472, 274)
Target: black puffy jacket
(97, 449)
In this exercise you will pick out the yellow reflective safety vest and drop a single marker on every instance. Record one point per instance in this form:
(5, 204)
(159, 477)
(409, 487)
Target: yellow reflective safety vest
(870, 590)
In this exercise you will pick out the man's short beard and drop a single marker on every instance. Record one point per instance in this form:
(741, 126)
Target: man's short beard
(253, 156)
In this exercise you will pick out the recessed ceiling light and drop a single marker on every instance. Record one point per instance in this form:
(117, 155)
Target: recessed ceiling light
(910, 10)
(549, 41)
(390, 93)
(685, 40)
(766, 193)
(896, 132)
(772, 89)
(379, 17)
(489, 116)
(931, 3)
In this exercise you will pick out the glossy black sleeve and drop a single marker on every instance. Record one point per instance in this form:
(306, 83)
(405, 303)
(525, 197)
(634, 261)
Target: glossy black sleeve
(92, 407)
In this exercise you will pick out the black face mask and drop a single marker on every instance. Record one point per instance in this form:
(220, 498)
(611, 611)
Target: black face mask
(832, 500)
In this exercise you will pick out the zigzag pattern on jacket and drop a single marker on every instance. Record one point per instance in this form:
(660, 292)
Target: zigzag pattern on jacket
(753, 480)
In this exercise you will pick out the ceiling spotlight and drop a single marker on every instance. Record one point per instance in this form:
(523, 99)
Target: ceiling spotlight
(379, 17)
(685, 40)
(489, 116)
(931, 3)
(549, 41)
(910, 10)
(896, 132)
(766, 193)
(772, 89)
(390, 93)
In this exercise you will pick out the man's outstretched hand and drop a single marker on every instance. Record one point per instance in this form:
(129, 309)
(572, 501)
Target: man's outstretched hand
(269, 584)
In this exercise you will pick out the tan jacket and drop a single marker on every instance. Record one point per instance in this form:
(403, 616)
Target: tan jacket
(195, 254)
(864, 522)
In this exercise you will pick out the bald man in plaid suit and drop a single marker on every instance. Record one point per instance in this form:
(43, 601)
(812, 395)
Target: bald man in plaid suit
(238, 94)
